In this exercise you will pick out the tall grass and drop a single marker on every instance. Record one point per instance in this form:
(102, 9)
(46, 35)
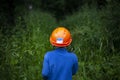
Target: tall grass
(23, 50)
(90, 43)
(27, 45)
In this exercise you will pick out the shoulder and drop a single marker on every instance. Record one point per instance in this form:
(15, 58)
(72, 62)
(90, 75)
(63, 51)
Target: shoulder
(73, 54)
(74, 57)
(48, 54)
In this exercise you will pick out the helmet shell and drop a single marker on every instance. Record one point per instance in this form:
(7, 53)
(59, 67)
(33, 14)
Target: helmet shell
(60, 37)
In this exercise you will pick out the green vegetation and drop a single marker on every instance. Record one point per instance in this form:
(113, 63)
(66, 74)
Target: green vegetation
(97, 59)
(22, 51)
(95, 41)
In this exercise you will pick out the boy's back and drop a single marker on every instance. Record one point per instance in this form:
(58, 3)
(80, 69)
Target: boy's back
(59, 65)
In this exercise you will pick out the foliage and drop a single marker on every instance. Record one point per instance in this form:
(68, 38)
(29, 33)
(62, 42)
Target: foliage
(22, 48)
(23, 51)
(90, 43)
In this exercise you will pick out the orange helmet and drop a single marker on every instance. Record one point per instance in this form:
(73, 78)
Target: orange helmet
(60, 37)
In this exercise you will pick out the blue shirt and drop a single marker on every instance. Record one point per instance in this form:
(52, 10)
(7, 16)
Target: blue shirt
(59, 64)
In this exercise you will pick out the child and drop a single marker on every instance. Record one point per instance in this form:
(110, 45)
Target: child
(60, 64)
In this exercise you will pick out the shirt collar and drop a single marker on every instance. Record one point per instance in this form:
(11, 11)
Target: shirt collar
(61, 50)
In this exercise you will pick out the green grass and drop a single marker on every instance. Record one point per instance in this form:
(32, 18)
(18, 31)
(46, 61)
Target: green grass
(90, 43)
(23, 50)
